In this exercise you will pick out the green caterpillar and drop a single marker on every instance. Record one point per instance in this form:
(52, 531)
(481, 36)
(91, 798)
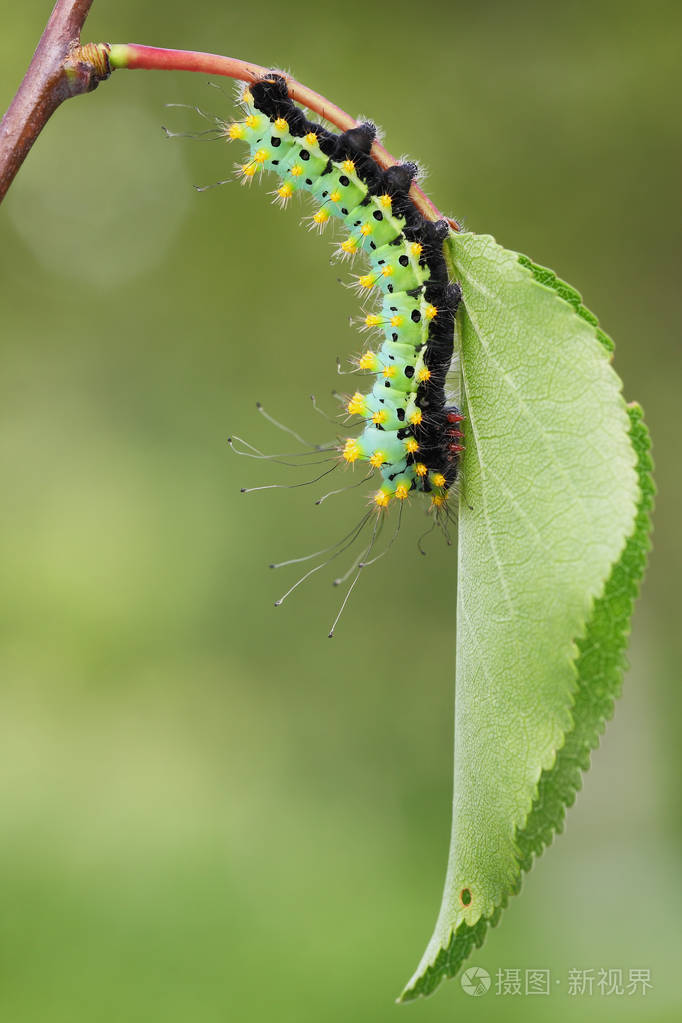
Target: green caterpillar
(411, 435)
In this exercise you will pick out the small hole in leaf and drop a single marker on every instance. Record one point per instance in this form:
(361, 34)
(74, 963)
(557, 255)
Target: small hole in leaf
(465, 897)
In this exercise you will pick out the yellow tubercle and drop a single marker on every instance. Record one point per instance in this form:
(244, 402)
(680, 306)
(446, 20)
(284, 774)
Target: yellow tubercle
(385, 201)
(416, 249)
(416, 417)
(281, 124)
(351, 450)
(356, 406)
(285, 191)
(387, 271)
(396, 321)
(248, 169)
(411, 445)
(252, 121)
(423, 375)
(368, 361)
(431, 312)
(236, 130)
(321, 217)
(366, 229)
(335, 196)
(349, 246)
(348, 166)
(372, 320)
(420, 469)
(439, 500)
(380, 417)
(377, 459)
(296, 170)
(438, 479)
(247, 96)
(381, 499)
(389, 372)
(261, 155)
(401, 491)
(367, 281)
(310, 139)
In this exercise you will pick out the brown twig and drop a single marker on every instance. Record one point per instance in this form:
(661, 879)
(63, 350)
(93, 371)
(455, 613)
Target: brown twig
(54, 74)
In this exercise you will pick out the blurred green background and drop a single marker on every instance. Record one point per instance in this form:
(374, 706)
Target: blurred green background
(209, 812)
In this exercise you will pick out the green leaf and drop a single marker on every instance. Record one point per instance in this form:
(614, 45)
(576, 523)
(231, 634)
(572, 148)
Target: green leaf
(554, 521)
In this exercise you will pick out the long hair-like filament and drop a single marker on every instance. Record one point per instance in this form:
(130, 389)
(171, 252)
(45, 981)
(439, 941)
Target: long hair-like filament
(366, 564)
(368, 551)
(330, 419)
(341, 490)
(256, 453)
(338, 548)
(427, 532)
(293, 486)
(285, 429)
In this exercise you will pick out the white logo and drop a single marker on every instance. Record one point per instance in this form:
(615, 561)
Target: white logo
(475, 981)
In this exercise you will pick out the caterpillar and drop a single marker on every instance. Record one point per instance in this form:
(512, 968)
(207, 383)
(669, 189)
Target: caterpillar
(411, 435)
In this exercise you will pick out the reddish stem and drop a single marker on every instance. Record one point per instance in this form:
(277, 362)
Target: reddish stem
(153, 58)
